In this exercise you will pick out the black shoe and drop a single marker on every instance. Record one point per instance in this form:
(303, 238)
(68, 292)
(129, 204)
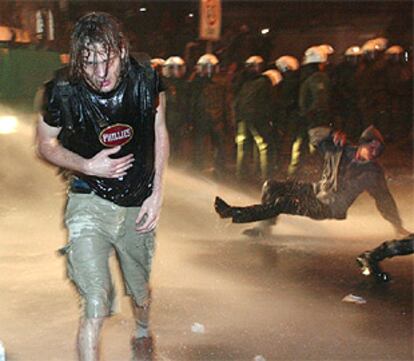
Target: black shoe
(369, 267)
(222, 208)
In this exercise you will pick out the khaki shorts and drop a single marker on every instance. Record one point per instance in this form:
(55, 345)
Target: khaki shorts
(96, 227)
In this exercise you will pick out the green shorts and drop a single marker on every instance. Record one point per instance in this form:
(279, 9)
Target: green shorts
(96, 227)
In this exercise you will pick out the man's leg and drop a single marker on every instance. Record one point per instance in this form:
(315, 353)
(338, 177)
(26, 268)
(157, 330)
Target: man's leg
(88, 339)
(295, 199)
(135, 253)
(87, 219)
(142, 343)
(241, 143)
(265, 148)
(275, 194)
(270, 191)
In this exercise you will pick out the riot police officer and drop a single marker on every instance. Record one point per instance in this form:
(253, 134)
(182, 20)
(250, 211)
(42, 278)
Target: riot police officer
(253, 108)
(399, 78)
(157, 64)
(177, 96)
(372, 87)
(314, 101)
(287, 109)
(208, 113)
(344, 93)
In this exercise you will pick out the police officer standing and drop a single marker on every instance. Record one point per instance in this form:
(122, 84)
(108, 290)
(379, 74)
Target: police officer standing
(177, 95)
(287, 101)
(344, 93)
(314, 101)
(208, 113)
(399, 77)
(253, 108)
(372, 86)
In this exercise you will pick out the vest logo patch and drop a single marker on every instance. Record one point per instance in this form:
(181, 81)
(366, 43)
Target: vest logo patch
(117, 134)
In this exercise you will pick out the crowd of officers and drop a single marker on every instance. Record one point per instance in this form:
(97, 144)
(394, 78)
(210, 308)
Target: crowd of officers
(262, 108)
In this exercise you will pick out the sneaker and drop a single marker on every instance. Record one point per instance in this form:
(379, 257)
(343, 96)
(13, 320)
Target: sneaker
(143, 349)
(369, 267)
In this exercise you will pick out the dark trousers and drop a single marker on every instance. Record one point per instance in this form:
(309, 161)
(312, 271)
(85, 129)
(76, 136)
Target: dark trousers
(289, 197)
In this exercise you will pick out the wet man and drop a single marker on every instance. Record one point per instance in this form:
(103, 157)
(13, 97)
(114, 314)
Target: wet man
(103, 120)
(348, 171)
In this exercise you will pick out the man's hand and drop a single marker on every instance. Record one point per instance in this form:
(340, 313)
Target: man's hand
(101, 165)
(149, 213)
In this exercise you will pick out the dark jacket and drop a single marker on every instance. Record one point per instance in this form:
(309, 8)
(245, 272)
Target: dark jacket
(344, 178)
(314, 99)
(254, 100)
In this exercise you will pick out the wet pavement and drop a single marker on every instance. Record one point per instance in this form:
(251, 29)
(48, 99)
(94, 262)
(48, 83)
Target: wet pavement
(280, 297)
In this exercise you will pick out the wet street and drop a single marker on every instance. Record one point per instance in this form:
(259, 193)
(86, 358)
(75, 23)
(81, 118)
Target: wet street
(280, 297)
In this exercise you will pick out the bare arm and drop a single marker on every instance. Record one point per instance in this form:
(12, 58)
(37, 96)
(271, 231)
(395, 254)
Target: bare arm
(152, 206)
(101, 165)
(162, 147)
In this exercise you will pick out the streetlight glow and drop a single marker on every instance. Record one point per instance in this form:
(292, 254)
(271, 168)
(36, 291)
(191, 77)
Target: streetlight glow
(8, 124)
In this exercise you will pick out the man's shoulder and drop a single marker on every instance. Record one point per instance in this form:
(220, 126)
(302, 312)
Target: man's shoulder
(139, 71)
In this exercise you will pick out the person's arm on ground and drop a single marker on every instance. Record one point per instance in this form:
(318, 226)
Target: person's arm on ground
(386, 204)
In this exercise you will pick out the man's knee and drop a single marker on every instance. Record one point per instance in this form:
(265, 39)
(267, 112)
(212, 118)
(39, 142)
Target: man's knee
(143, 300)
(92, 323)
(98, 304)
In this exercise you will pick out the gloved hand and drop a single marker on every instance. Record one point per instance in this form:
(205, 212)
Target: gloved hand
(222, 208)
(339, 138)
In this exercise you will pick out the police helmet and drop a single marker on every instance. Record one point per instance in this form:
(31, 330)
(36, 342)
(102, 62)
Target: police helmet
(174, 61)
(274, 76)
(353, 51)
(287, 62)
(394, 50)
(314, 54)
(328, 49)
(254, 60)
(208, 59)
(155, 62)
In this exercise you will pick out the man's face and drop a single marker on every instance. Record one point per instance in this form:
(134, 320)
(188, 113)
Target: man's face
(178, 71)
(102, 70)
(370, 151)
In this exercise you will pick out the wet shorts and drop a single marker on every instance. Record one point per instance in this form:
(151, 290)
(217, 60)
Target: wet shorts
(96, 227)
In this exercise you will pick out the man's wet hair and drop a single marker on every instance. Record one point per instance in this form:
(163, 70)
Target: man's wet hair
(93, 29)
